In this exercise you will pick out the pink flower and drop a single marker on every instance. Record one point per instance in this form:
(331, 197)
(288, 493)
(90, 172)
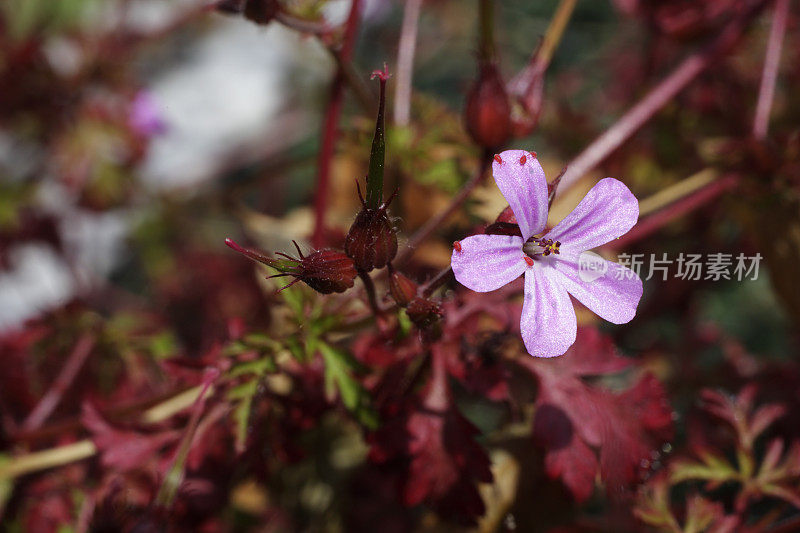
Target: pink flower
(145, 116)
(553, 262)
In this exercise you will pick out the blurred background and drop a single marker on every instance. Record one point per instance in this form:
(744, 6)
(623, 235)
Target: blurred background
(135, 136)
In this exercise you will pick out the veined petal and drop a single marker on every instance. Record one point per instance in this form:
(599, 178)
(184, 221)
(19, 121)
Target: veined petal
(485, 263)
(520, 178)
(607, 211)
(548, 321)
(608, 289)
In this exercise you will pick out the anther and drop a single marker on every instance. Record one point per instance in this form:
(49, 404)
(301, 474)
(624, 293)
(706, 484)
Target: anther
(522, 160)
(457, 246)
(498, 159)
(529, 260)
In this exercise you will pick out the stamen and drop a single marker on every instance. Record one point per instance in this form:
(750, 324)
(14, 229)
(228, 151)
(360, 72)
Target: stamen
(498, 159)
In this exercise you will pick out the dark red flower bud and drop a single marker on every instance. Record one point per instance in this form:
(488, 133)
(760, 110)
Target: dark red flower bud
(372, 239)
(325, 271)
(261, 11)
(488, 109)
(231, 7)
(258, 11)
(423, 312)
(402, 289)
(426, 315)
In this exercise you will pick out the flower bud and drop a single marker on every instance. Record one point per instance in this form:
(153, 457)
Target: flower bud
(258, 11)
(372, 240)
(402, 289)
(488, 109)
(426, 315)
(325, 271)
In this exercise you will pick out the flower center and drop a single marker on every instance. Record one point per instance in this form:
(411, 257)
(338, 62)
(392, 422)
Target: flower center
(538, 247)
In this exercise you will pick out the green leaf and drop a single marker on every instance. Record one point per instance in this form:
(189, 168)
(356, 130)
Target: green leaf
(339, 366)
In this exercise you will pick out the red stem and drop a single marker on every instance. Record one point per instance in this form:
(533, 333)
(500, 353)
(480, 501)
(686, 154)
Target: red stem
(330, 125)
(69, 372)
(657, 98)
(661, 218)
(436, 222)
(772, 57)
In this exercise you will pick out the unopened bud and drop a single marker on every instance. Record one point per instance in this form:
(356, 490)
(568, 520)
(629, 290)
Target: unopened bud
(426, 315)
(372, 240)
(258, 11)
(325, 271)
(231, 7)
(402, 289)
(261, 11)
(488, 109)
(423, 312)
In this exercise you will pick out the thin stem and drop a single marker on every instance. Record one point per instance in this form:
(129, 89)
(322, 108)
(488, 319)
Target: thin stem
(62, 455)
(486, 29)
(372, 298)
(675, 192)
(437, 281)
(435, 223)
(555, 31)
(329, 127)
(661, 218)
(69, 372)
(657, 98)
(523, 83)
(175, 473)
(33, 462)
(405, 61)
(772, 57)
(354, 80)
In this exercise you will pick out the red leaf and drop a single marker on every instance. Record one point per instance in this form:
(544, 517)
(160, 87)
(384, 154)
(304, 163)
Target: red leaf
(445, 462)
(123, 449)
(585, 428)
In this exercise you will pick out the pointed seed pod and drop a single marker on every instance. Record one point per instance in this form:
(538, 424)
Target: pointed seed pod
(326, 271)
(487, 114)
(402, 289)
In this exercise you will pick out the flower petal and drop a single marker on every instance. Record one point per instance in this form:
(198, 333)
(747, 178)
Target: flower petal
(520, 178)
(548, 320)
(607, 211)
(485, 263)
(613, 294)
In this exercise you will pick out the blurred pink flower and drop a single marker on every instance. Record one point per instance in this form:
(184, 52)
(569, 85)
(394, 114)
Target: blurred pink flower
(553, 261)
(145, 115)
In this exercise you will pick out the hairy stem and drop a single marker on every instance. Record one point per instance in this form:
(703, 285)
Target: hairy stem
(372, 298)
(657, 98)
(687, 204)
(434, 223)
(329, 128)
(69, 372)
(436, 281)
(77, 451)
(405, 61)
(555, 31)
(486, 31)
(766, 91)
